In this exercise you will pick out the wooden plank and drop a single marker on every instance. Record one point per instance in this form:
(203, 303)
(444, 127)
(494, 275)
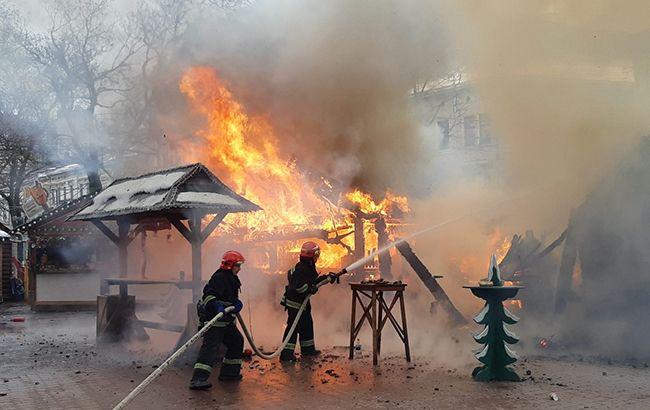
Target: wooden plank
(106, 231)
(352, 323)
(405, 328)
(210, 227)
(134, 281)
(377, 287)
(162, 326)
(430, 282)
(373, 304)
(180, 226)
(196, 242)
(123, 227)
(567, 265)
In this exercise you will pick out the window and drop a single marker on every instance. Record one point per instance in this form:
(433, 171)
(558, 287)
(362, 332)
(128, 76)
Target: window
(443, 125)
(470, 130)
(484, 130)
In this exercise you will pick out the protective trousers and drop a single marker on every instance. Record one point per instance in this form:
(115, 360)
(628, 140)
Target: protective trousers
(229, 335)
(304, 329)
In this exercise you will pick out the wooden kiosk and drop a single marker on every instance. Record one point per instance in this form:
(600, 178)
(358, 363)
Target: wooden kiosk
(183, 197)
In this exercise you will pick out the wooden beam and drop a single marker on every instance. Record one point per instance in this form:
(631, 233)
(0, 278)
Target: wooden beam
(567, 265)
(162, 326)
(123, 226)
(180, 226)
(196, 242)
(430, 282)
(210, 227)
(106, 231)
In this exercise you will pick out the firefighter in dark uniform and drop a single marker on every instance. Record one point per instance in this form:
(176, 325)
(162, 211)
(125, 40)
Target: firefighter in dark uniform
(303, 280)
(221, 291)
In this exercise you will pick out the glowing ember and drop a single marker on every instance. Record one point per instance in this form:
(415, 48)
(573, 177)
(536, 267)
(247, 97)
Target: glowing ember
(516, 303)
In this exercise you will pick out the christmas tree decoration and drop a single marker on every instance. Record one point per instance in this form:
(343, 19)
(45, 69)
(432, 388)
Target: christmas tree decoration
(495, 355)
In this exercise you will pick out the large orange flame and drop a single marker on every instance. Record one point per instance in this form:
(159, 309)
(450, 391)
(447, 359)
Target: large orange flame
(243, 150)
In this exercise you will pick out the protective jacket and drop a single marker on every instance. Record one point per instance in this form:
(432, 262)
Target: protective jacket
(221, 291)
(302, 280)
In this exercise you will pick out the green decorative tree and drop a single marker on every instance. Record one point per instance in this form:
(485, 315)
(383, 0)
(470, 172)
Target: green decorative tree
(496, 356)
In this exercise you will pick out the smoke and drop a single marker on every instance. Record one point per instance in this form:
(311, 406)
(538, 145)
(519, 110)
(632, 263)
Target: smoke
(334, 79)
(565, 83)
(566, 86)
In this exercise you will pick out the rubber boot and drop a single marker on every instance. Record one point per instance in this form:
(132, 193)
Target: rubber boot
(309, 352)
(230, 377)
(200, 380)
(287, 356)
(230, 372)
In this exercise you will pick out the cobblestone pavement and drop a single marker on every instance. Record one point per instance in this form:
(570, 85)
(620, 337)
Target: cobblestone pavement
(51, 361)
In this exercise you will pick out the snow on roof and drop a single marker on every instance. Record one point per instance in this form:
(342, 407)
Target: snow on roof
(206, 198)
(190, 186)
(133, 193)
(4, 234)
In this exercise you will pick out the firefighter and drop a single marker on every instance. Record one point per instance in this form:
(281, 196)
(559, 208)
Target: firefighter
(303, 280)
(221, 291)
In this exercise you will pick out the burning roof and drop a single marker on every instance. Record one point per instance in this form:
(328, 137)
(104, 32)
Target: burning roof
(190, 186)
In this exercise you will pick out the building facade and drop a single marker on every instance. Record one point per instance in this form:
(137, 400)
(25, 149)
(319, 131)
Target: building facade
(452, 113)
(59, 184)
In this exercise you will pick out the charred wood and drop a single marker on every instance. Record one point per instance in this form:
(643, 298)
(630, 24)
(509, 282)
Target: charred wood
(430, 282)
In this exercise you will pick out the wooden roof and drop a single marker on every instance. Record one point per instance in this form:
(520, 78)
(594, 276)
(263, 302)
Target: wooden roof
(172, 191)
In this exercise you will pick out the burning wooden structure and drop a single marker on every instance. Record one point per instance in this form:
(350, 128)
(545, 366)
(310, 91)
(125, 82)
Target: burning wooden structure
(175, 196)
(604, 271)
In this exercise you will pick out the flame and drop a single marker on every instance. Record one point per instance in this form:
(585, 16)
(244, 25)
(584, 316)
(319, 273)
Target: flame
(500, 243)
(244, 151)
(367, 204)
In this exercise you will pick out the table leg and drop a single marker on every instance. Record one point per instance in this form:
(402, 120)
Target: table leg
(379, 327)
(374, 327)
(353, 323)
(406, 333)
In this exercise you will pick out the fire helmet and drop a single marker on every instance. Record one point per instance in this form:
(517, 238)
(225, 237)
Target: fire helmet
(309, 250)
(230, 259)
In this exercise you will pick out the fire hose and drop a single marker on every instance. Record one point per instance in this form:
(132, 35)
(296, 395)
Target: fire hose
(171, 358)
(139, 388)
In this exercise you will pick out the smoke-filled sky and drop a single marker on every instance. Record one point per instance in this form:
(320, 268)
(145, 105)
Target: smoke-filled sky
(334, 78)
(566, 82)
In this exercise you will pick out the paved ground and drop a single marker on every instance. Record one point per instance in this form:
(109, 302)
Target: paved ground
(51, 361)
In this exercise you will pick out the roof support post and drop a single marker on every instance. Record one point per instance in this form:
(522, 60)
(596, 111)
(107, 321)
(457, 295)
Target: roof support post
(123, 226)
(196, 242)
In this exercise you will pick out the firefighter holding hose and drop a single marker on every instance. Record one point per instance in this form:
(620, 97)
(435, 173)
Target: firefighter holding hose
(303, 280)
(220, 292)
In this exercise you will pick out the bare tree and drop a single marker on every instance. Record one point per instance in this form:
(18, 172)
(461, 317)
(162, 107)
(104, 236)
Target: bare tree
(84, 55)
(24, 116)
(19, 154)
(160, 26)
